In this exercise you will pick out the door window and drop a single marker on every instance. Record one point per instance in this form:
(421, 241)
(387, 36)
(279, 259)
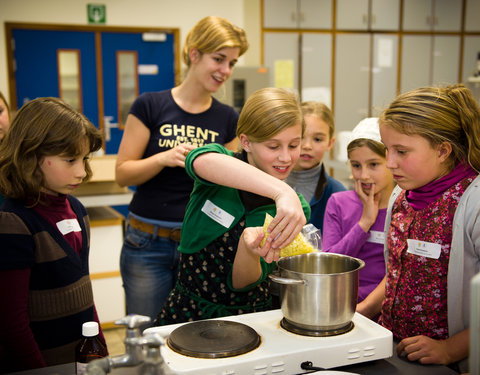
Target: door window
(69, 82)
(127, 79)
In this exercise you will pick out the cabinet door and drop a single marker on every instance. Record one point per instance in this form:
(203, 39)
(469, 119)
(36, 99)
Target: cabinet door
(471, 15)
(352, 69)
(297, 14)
(385, 15)
(317, 67)
(417, 15)
(315, 14)
(448, 15)
(281, 52)
(440, 61)
(446, 55)
(416, 62)
(437, 15)
(384, 72)
(471, 48)
(280, 14)
(352, 14)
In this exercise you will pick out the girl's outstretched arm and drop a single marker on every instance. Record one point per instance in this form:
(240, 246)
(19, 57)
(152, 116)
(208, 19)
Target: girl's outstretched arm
(228, 171)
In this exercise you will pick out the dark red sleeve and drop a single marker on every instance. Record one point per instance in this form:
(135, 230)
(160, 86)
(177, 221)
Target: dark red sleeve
(16, 335)
(100, 333)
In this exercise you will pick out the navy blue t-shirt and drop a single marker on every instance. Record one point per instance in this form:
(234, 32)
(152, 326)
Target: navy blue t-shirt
(165, 196)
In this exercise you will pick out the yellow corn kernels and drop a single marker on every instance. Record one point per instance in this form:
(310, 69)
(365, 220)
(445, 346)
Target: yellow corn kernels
(298, 246)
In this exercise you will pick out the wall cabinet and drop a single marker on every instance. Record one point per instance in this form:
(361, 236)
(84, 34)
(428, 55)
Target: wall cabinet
(352, 75)
(366, 57)
(316, 74)
(301, 61)
(281, 56)
(471, 15)
(432, 15)
(297, 14)
(471, 49)
(440, 61)
(365, 76)
(368, 14)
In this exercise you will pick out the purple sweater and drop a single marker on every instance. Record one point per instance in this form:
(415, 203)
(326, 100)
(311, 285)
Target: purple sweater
(343, 235)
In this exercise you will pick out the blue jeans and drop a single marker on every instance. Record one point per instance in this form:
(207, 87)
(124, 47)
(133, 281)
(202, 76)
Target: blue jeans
(148, 265)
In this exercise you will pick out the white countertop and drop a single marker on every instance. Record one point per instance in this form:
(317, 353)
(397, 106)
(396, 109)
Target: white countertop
(106, 199)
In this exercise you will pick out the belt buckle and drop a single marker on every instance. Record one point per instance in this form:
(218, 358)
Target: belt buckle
(175, 234)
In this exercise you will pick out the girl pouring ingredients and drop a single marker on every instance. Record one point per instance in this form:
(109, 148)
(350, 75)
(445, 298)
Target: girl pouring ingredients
(223, 267)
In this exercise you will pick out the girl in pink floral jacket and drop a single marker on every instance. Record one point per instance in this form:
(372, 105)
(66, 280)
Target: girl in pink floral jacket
(432, 136)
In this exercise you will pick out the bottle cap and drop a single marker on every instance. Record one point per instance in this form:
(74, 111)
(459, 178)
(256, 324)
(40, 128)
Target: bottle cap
(90, 329)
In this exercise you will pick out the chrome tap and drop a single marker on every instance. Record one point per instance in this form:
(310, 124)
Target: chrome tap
(139, 350)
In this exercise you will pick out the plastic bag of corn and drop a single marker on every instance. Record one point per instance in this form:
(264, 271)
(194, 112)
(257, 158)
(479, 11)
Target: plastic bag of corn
(300, 245)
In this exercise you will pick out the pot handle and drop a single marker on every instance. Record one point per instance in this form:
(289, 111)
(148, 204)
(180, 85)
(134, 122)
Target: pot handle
(283, 280)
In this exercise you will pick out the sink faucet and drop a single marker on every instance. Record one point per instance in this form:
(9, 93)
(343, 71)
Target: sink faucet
(135, 354)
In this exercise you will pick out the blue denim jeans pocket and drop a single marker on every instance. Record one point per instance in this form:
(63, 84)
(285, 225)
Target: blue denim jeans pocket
(137, 239)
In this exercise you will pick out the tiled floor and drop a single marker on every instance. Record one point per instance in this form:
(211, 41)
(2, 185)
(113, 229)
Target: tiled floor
(115, 338)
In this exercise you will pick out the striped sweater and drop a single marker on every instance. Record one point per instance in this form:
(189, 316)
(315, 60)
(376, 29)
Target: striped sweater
(59, 291)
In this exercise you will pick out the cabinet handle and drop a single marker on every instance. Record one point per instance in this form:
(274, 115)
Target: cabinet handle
(294, 17)
(374, 19)
(302, 16)
(365, 19)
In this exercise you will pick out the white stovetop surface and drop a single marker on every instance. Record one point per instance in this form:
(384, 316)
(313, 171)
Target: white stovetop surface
(282, 352)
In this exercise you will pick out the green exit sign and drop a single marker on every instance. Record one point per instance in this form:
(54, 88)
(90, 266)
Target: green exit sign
(96, 13)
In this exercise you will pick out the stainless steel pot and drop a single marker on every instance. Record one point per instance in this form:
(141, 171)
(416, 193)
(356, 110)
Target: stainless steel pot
(318, 291)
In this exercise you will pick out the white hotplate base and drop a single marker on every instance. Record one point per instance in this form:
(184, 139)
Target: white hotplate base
(282, 352)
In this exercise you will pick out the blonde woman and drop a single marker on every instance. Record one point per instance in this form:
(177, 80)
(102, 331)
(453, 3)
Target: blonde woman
(160, 130)
(223, 268)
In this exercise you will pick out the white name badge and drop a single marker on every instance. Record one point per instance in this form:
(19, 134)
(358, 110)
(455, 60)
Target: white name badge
(68, 225)
(376, 237)
(424, 249)
(216, 213)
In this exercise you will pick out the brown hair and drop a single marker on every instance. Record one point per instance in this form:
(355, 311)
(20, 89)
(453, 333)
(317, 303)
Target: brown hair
(439, 114)
(322, 112)
(376, 147)
(42, 127)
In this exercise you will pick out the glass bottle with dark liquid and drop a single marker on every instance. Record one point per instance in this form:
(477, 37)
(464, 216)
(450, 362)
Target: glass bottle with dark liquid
(90, 348)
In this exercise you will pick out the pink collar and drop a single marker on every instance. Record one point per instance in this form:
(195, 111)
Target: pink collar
(423, 196)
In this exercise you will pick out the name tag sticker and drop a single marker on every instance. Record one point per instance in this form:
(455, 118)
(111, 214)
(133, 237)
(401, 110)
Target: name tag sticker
(217, 214)
(68, 225)
(424, 249)
(376, 237)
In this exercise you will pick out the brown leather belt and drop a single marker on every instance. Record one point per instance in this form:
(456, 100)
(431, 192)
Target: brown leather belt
(173, 234)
